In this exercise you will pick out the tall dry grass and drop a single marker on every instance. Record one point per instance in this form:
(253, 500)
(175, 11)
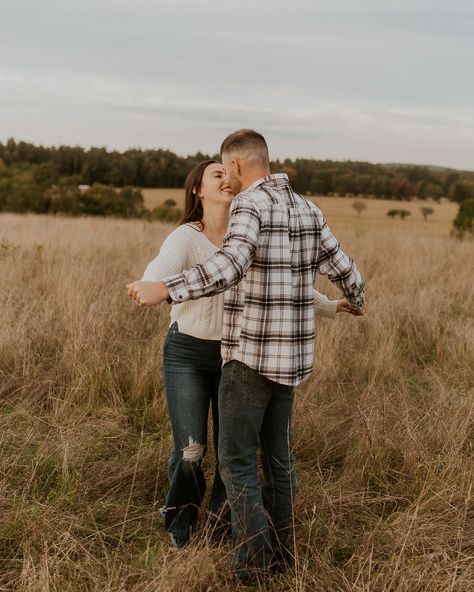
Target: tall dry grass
(384, 429)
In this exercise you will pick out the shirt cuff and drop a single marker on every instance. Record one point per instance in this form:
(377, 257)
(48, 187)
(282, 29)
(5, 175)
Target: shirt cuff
(177, 289)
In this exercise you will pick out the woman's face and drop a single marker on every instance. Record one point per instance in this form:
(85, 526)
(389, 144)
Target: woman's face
(214, 189)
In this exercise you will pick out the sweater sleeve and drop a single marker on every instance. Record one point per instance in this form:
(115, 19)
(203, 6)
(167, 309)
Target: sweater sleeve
(170, 260)
(323, 307)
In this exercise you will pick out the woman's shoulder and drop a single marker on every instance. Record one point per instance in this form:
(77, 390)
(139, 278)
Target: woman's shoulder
(185, 239)
(183, 231)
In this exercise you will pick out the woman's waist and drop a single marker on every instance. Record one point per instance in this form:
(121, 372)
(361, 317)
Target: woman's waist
(203, 322)
(182, 349)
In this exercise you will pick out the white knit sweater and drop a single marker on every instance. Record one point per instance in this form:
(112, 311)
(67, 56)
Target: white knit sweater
(182, 249)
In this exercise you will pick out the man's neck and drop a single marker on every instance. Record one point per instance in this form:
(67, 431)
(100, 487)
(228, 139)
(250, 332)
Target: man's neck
(255, 176)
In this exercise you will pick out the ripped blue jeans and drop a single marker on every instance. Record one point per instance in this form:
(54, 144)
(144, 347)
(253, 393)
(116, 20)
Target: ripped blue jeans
(192, 372)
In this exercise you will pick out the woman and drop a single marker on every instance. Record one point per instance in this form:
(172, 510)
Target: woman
(191, 358)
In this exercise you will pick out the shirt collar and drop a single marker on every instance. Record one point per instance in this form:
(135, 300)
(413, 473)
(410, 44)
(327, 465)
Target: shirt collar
(277, 180)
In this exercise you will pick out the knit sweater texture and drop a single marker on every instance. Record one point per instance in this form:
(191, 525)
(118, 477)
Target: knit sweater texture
(183, 248)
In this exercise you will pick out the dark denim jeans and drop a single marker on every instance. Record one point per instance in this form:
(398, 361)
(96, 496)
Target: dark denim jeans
(192, 372)
(255, 411)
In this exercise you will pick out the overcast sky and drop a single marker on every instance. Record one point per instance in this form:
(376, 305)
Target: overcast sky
(377, 80)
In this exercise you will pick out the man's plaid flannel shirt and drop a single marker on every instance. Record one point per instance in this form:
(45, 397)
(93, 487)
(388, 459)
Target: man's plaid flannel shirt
(276, 243)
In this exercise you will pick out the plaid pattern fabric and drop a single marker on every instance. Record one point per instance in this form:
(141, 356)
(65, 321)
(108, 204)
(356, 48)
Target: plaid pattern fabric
(276, 243)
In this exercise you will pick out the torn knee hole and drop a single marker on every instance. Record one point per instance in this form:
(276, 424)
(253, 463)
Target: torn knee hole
(193, 452)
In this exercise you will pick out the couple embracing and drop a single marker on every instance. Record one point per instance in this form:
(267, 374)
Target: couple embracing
(253, 247)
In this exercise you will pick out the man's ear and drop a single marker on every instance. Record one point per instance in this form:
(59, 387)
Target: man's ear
(236, 166)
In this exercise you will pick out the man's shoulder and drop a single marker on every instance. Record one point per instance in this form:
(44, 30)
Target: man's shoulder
(313, 207)
(264, 194)
(250, 198)
(260, 195)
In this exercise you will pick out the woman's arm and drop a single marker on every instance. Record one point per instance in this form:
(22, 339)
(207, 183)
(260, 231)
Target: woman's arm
(170, 260)
(323, 307)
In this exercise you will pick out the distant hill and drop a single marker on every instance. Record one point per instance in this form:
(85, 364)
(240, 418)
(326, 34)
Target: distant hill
(430, 167)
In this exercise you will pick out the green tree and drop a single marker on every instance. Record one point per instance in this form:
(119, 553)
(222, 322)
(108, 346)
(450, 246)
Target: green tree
(461, 190)
(316, 186)
(105, 200)
(166, 214)
(163, 168)
(359, 206)
(45, 174)
(97, 167)
(364, 184)
(404, 214)
(433, 191)
(426, 211)
(381, 186)
(464, 221)
(99, 200)
(344, 184)
(130, 203)
(65, 197)
(20, 192)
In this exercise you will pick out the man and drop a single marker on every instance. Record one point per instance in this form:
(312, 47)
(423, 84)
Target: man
(276, 243)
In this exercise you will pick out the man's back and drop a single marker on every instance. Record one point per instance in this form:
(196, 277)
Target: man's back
(269, 314)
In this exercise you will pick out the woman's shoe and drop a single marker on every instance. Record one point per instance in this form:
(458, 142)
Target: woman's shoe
(179, 539)
(180, 533)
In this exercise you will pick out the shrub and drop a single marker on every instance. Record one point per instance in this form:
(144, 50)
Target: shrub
(105, 200)
(402, 213)
(64, 197)
(426, 211)
(21, 192)
(166, 214)
(464, 221)
(359, 206)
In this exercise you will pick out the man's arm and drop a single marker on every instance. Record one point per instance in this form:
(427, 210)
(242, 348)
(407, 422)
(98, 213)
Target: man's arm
(340, 269)
(224, 269)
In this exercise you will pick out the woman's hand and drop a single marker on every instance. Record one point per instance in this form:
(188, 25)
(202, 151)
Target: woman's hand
(344, 306)
(146, 293)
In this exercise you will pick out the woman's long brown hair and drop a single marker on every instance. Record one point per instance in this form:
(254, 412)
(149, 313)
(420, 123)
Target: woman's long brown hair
(193, 211)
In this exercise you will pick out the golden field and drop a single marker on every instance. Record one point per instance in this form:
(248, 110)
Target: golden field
(384, 429)
(156, 197)
(340, 209)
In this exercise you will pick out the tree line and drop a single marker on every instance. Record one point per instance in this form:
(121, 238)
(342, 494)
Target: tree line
(47, 179)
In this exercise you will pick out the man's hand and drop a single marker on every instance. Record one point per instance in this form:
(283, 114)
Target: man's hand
(344, 306)
(147, 293)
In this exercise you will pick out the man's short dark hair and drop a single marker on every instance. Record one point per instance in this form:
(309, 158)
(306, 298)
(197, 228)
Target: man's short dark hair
(245, 140)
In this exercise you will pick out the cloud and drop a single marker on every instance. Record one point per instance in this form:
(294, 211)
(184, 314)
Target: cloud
(352, 79)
